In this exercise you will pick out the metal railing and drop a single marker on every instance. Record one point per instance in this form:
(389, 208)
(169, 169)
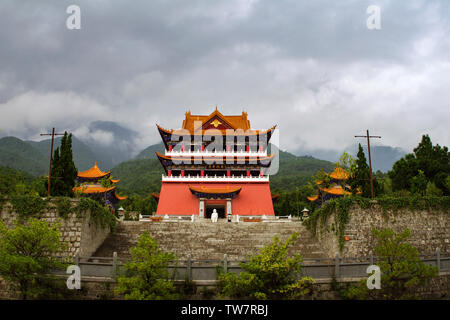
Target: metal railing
(206, 270)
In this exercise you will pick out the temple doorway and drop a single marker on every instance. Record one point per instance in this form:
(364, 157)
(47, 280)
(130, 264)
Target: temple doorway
(220, 210)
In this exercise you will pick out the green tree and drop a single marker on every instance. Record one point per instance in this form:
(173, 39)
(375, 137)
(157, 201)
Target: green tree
(447, 184)
(146, 275)
(15, 182)
(402, 271)
(38, 186)
(347, 162)
(146, 205)
(57, 184)
(419, 183)
(64, 171)
(434, 161)
(271, 274)
(432, 190)
(106, 182)
(361, 177)
(69, 170)
(27, 257)
(321, 176)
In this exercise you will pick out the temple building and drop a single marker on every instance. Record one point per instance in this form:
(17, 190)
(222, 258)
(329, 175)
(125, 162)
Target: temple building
(215, 162)
(97, 184)
(336, 187)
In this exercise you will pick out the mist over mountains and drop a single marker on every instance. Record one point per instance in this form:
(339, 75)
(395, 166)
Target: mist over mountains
(106, 142)
(383, 157)
(111, 144)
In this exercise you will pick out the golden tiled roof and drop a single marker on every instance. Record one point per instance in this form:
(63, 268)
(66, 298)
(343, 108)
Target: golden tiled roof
(93, 172)
(313, 198)
(97, 188)
(93, 188)
(203, 189)
(235, 121)
(339, 174)
(336, 190)
(197, 124)
(119, 197)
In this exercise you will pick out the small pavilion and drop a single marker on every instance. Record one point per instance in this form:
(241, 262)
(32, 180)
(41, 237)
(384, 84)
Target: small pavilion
(336, 187)
(97, 184)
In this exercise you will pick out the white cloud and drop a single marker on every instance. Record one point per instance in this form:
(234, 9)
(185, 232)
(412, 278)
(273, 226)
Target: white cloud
(310, 67)
(31, 112)
(102, 137)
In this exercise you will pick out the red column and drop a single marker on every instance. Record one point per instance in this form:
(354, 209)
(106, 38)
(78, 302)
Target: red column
(182, 173)
(202, 173)
(182, 148)
(247, 148)
(169, 173)
(170, 147)
(203, 147)
(248, 173)
(228, 173)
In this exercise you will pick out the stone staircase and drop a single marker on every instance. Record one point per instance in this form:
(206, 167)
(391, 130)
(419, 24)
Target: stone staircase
(206, 240)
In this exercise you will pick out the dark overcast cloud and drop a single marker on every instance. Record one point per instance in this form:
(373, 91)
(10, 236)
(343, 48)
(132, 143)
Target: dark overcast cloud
(312, 67)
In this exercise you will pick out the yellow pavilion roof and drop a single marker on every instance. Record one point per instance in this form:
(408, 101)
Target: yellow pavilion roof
(93, 172)
(339, 174)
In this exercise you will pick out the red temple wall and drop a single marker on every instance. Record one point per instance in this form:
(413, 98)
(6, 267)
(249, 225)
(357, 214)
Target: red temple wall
(176, 199)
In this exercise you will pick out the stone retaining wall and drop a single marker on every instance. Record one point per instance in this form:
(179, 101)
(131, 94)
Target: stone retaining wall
(429, 230)
(82, 235)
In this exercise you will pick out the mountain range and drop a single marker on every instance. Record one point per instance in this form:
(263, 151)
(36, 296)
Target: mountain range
(113, 147)
(383, 157)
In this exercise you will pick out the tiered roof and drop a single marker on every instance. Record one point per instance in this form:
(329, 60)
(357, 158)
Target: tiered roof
(93, 187)
(216, 120)
(225, 190)
(215, 192)
(93, 173)
(340, 175)
(97, 189)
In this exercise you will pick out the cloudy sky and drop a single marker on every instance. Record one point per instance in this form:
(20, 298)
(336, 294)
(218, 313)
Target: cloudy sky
(312, 67)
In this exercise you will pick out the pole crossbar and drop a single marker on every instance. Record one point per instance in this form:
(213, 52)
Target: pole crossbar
(368, 137)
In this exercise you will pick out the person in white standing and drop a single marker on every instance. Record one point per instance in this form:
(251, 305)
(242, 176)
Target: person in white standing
(214, 216)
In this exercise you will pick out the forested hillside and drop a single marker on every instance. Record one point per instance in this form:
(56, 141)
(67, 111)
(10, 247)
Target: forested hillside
(20, 155)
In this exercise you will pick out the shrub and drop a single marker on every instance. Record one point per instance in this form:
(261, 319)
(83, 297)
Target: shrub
(271, 274)
(402, 271)
(146, 275)
(27, 257)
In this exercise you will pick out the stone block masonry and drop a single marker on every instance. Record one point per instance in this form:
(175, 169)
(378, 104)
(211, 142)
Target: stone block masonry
(206, 240)
(82, 235)
(429, 230)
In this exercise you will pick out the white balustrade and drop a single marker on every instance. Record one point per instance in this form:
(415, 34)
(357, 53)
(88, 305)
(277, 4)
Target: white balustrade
(206, 153)
(214, 178)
